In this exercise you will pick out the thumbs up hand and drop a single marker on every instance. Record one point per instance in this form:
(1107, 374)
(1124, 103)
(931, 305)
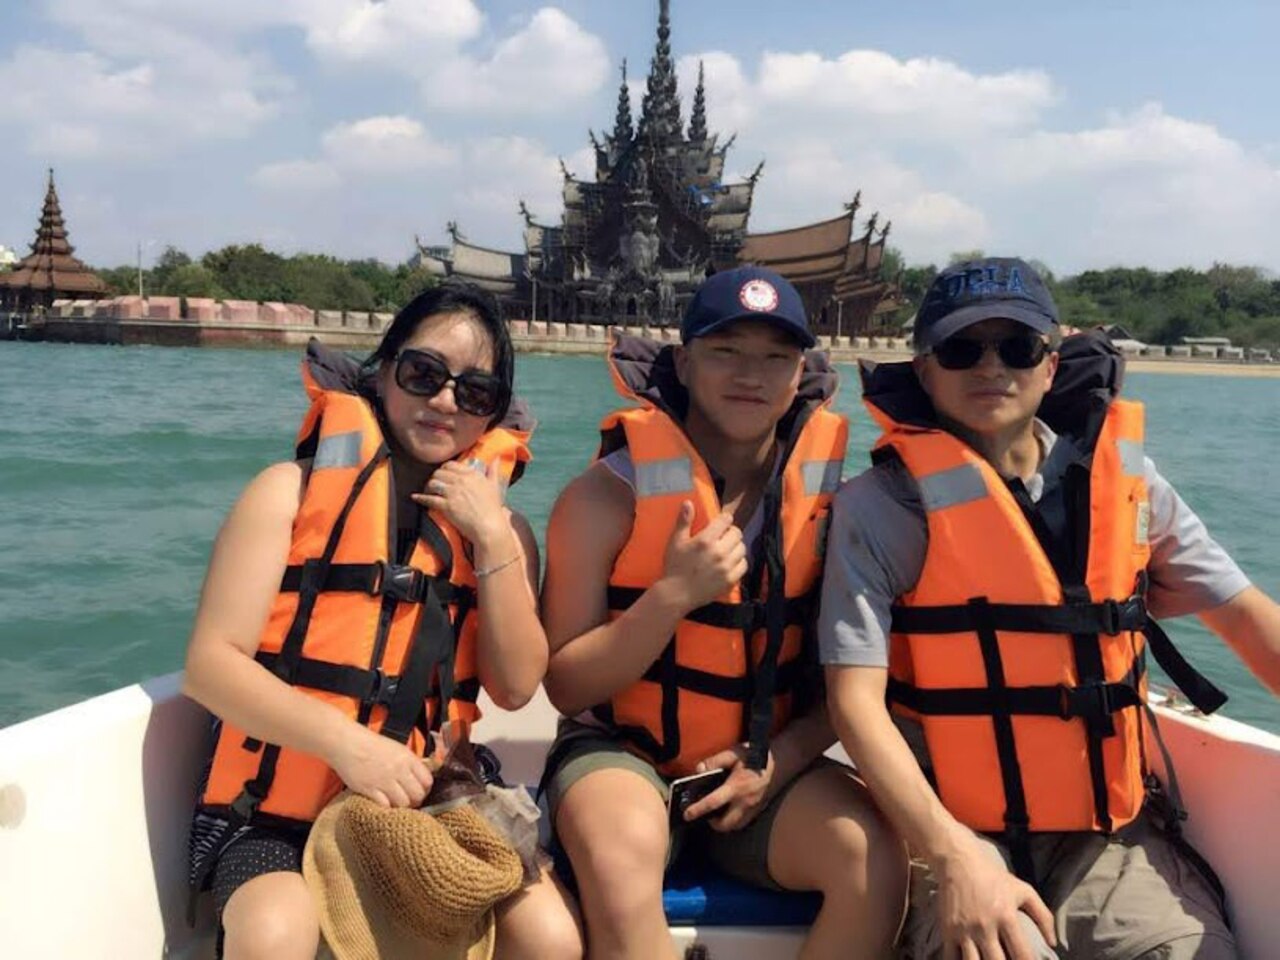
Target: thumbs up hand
(704, 565)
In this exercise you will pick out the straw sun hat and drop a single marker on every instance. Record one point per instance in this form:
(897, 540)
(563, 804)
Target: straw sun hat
(401, 883)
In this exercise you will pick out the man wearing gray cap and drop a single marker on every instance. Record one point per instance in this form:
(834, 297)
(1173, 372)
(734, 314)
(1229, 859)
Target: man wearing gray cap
(993, 578)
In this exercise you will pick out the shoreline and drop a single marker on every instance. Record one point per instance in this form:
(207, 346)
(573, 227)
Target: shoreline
(1200, 367)
(555, 339)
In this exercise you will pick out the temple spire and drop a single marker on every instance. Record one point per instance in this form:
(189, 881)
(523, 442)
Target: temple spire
(698, 122)
(660, 116)
(51, 235)
(49, 271)
(623, 130)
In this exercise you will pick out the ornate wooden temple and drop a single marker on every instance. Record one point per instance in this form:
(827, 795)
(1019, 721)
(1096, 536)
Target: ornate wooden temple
(49, 272)
(633, 243)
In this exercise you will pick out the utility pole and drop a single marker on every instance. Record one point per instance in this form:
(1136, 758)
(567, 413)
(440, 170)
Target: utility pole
(140, 296)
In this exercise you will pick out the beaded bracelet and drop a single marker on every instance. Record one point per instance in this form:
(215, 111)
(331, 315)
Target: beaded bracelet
(500, 566)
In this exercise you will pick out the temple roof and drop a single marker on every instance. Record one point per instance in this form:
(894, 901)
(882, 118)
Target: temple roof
(824, 253)
(496, 270)
(482, 263)
(50, 265)
(813, 252)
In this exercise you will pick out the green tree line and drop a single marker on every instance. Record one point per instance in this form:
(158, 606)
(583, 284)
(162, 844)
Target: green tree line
(1242, 303)
(250, 272)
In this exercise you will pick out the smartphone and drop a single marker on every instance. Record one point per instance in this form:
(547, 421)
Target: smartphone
(686, 791)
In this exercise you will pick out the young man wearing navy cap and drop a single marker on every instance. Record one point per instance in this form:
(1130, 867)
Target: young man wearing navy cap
(994, 575)
(681, 571)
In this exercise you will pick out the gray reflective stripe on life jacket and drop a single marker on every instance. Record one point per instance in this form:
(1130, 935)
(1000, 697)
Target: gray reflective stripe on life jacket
(952, 487)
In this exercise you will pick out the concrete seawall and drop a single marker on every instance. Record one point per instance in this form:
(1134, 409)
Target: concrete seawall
(192, 321)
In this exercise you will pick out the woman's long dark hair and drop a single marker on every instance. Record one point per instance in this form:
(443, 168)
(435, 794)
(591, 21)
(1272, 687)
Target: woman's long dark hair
(454, 296)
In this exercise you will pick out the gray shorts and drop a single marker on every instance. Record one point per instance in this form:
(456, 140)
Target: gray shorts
(742, 854)
(1122, 897)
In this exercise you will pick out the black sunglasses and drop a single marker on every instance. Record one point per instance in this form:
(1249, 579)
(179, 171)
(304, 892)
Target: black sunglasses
(1018, 351)
(425, 374)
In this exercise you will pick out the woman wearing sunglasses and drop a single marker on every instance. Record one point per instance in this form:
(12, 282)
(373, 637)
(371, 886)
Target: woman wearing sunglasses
(349, 612)
(994, 575)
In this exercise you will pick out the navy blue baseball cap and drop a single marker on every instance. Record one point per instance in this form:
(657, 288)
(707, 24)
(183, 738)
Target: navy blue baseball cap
(746, 293)
(986, 289)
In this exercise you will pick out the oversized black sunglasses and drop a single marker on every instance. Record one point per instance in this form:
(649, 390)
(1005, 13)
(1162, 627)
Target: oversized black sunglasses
(425, 374)
(1018, 351)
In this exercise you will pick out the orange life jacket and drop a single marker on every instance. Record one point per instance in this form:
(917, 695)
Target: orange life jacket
(392, 646)
(732, 672)
(1021, 649)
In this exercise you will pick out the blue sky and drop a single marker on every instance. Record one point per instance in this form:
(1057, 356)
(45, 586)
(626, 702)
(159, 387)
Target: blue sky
(1083, 134)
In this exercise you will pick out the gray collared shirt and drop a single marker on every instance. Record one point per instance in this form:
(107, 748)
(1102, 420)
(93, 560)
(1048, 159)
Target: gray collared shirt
(879, 537)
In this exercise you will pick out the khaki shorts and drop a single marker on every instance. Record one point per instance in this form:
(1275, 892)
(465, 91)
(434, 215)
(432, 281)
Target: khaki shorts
(1120, 898)
(742, 854)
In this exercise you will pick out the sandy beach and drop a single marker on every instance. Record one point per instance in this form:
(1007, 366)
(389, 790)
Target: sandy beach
(1204, 368)
(1199, 368)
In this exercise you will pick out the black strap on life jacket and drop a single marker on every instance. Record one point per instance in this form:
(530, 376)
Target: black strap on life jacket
(1165, 804)
(749, 616)
(759, 712)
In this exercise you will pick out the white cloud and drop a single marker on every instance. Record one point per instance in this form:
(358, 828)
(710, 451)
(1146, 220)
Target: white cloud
(1146, 140)
(347, 30)
(385, 145)
(394, 149)
(384, 30)
(544, 66)
(149, 76)
(1145, 188)
(297, 176)
(730, 95)
(933, 98)
(104, 104)
(379, 162)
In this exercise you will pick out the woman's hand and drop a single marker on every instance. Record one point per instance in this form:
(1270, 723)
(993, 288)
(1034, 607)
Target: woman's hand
(385, 771)
(470, 499)
(741, 797)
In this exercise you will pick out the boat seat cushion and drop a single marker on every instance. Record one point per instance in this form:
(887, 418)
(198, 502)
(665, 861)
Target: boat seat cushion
(696, 894)
(705, 897)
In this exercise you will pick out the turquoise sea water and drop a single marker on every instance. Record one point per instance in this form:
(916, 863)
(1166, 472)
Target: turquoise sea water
(118, 464)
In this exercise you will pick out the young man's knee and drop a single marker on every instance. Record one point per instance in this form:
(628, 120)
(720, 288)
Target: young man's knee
(612, 839)
(632, 845)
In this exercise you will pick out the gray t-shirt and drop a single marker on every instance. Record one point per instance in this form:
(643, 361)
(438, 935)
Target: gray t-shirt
(879, 536)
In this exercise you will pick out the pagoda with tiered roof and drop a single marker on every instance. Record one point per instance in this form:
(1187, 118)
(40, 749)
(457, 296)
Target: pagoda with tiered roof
(49, 272)
(634, 242)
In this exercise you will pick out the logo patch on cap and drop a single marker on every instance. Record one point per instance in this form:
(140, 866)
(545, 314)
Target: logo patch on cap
(759, 295)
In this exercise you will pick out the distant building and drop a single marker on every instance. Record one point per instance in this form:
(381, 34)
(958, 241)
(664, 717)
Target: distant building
(635, 241)
(1122, 339)
(1115, 331)
(49, 272)
(1206, 341)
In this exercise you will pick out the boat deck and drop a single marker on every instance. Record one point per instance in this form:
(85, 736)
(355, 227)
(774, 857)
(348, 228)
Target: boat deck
(95, 803)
